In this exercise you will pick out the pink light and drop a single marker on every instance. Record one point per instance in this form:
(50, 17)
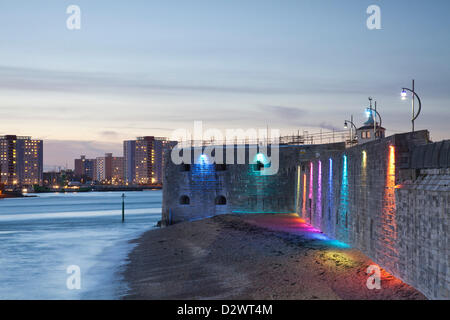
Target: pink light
(311, 180)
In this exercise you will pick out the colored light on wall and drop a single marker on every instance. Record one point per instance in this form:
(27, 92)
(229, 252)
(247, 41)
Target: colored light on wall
(388, 217)
(343, 217)
(311, 180)
(364, 159)
(364, 169)
(203, 173)
(392, 159)
(202, 160)
(390, 179)
(259, 162)
(297, 198)
(330, 189)
(304, 196)
(319, 194)
(260, 157)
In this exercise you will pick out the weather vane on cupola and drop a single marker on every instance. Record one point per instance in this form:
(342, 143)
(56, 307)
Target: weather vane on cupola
(372, 113)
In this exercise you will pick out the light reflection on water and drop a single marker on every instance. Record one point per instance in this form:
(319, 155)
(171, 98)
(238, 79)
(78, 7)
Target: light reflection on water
(40, 237)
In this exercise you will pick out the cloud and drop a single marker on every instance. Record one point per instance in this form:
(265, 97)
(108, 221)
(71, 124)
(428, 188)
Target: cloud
(109, 134)
(68, 81)
(22, 78)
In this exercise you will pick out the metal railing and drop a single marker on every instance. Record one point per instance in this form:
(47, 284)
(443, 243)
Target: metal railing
(305, 138)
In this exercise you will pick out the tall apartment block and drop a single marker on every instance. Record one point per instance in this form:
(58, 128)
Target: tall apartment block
(109, 169)
(144, 159)
(103, 168)
(117, 170)
(85, 169)
(21, 161)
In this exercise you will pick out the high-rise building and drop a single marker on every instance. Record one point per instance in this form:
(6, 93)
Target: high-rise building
(109, 169)
(103, 168)
(85, 169)
(161, 146)
(129, 155)
(21, 161)
(117, 170)
(144, 159)
(106, 169)
(8, 160)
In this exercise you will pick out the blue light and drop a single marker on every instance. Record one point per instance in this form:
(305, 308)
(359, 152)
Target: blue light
(203, 158)
(330, 194)
(344, 204)
(203, 174)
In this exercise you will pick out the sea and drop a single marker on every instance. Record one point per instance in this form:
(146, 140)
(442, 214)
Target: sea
(71, 246)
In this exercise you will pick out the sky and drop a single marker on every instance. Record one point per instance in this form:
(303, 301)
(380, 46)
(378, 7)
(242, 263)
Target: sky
(140, 68)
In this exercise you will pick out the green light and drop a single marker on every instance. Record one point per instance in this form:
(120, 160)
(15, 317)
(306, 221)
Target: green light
(260, 157)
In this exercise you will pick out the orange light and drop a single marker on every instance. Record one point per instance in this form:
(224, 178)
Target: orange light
(388, 217)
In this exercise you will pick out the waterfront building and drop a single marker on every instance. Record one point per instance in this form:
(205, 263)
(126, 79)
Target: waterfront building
(371, 130)
(21, 161)
(109, 169)
(117, 170)
(85, 169)
(144, 159)
(58, 178)
(103, 168)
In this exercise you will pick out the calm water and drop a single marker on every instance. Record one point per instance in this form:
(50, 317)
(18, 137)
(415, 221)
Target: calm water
(40, 237)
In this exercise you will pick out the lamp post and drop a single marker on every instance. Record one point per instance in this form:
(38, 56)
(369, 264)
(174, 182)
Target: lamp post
(351, 128)
(414, 95)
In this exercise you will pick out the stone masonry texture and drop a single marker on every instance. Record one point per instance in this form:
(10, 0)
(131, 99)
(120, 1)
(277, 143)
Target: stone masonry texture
(389, 198)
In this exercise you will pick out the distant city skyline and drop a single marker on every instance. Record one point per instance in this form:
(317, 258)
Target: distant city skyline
(149, 67)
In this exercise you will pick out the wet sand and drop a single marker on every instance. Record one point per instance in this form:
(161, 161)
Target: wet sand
(259, 256)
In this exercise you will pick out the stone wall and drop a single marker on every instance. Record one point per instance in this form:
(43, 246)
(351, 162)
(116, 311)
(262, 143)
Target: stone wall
(244, 188)
(382, 197)
(423, 209)
(376, 198)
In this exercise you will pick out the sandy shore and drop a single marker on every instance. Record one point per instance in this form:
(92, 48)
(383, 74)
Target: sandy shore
(251, 257)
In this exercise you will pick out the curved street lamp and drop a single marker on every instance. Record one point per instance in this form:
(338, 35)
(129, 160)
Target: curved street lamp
(352, 138)
(414, 95)
(374, 113)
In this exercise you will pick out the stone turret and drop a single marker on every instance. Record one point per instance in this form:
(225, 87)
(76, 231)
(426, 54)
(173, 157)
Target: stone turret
(371, 129)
